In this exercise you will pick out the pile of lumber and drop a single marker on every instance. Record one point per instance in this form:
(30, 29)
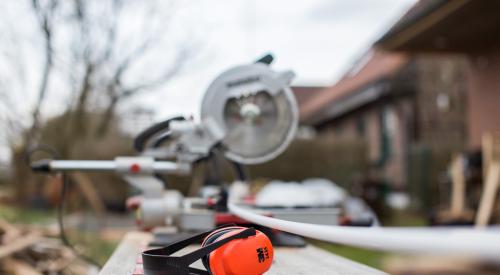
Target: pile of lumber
(30, 251)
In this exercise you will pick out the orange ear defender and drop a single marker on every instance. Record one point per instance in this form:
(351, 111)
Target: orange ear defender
(230, 250)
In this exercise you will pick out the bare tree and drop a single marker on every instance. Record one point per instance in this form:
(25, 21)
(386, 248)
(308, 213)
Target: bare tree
(107, 70)
(103, 52)
(90, 46)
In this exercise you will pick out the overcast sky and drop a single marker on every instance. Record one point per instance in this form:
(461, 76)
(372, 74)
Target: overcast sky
(318, 39)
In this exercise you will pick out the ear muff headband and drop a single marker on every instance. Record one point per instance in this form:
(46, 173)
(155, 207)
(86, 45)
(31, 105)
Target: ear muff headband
(210, 238)
(160, 262)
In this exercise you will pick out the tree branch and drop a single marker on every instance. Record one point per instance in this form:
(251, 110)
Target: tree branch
(46, 28)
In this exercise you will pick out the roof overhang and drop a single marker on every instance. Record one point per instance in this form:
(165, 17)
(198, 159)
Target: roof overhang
(451, 26)
(351, 102)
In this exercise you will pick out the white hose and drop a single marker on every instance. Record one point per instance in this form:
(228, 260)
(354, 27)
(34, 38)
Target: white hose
(479, 243)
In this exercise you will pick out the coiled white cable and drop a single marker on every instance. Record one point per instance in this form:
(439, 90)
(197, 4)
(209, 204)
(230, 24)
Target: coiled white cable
(478, 243)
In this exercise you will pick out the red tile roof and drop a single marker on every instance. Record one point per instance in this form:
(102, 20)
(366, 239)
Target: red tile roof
(377, 65)
(305, 93)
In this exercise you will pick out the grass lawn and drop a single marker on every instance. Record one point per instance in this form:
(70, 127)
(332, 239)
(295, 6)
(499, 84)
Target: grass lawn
(373, 258)
(26, 216)
(90, 244)
(368, 257)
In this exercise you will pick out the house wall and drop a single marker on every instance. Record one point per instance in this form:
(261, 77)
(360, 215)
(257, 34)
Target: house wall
(368, 124)
(396, 166)
(483, 96)
(426, 108)
(372, 135)
(441, 101)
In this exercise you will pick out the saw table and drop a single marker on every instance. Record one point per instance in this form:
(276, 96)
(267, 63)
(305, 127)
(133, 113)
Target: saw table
(126, 260)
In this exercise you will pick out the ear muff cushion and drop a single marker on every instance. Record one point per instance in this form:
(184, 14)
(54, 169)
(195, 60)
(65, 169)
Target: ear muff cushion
(212, 238)
(251, 256)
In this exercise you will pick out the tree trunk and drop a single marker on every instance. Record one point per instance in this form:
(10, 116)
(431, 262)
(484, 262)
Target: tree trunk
(43, 88)
(78, 123)
(108, 116)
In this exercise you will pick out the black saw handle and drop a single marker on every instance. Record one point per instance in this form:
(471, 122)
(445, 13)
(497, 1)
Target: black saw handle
(142, 139)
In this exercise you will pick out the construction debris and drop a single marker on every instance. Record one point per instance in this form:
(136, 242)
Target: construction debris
(31, 252)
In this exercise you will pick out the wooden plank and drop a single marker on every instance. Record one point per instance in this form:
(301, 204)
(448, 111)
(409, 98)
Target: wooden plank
(490, 150)
(289, 261)
(488, 196)
(123, 260)
(16, 267)
(487, 150)
(22, 242)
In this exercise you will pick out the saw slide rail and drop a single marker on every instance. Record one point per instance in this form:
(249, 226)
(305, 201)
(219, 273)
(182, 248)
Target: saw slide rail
(469, 242)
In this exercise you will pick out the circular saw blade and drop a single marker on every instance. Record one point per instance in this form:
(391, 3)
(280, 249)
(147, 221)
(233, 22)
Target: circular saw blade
(259, 118)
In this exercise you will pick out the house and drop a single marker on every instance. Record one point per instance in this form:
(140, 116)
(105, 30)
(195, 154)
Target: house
(466, 27)
(395, 103)
(428, 88)
(305, 93)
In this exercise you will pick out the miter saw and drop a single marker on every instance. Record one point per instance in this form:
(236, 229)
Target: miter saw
(248, 113)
